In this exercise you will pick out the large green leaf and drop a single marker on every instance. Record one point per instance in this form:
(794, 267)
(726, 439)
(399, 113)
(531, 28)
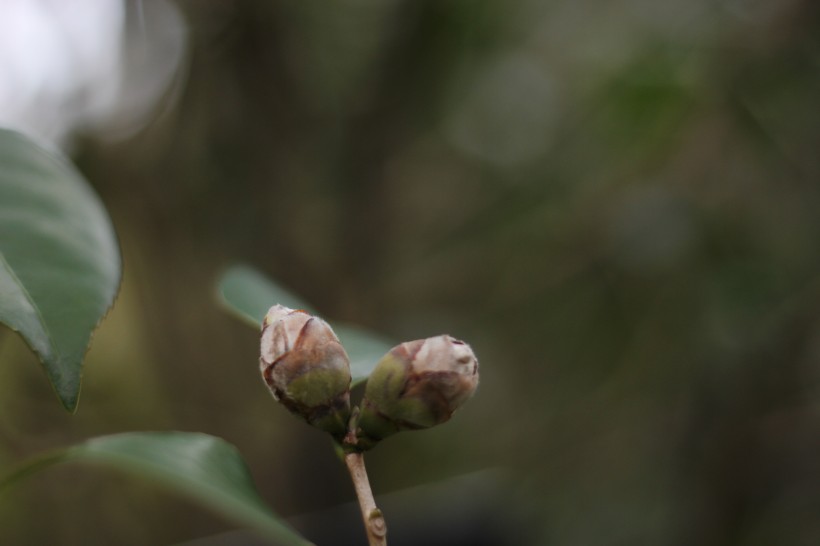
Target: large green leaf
(206, 469)
(59, 259)
(248, 294)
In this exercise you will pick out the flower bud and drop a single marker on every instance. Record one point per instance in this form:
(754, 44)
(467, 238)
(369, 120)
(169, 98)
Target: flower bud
(418, 384)
(306, 368)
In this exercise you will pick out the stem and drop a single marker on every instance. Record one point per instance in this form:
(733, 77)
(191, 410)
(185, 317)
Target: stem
(374, 522)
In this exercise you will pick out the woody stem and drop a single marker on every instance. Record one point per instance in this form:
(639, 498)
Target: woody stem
(374, 522)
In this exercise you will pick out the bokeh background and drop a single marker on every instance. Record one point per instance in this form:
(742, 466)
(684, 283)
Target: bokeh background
(616, 203)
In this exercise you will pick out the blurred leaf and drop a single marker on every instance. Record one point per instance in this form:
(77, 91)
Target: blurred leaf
(59, 259)
(206, 469)
(248, 294)
(363, 347)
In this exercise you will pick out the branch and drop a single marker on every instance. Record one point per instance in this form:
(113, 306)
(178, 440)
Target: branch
(374, 522)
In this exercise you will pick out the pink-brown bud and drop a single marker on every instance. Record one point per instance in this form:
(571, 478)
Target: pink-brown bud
(418, 384)
(306, 368)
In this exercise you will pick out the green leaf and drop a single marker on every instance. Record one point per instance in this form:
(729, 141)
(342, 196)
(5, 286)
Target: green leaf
(59, 259)
(202, 467)
(248, 294)
(364, 348)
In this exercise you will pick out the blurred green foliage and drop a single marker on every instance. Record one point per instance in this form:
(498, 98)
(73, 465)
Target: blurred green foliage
(615, 205)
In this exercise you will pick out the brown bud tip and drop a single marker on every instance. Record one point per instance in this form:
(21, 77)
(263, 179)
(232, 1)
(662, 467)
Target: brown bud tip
(418, 384)
(306, 368)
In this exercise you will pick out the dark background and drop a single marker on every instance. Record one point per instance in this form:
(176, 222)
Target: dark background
(615, 203)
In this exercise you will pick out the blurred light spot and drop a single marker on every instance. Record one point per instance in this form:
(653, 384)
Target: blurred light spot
(650, 229)
(506, 118)
(68, 65)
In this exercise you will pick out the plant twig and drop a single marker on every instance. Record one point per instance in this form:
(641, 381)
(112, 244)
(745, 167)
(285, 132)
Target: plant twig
(374, 522)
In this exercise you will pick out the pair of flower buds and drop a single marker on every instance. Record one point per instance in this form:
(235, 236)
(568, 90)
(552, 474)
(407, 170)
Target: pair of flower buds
(416, 385)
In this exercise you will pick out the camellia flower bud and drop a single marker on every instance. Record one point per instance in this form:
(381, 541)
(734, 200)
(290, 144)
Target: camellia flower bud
(418, 384)
(306, 368)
